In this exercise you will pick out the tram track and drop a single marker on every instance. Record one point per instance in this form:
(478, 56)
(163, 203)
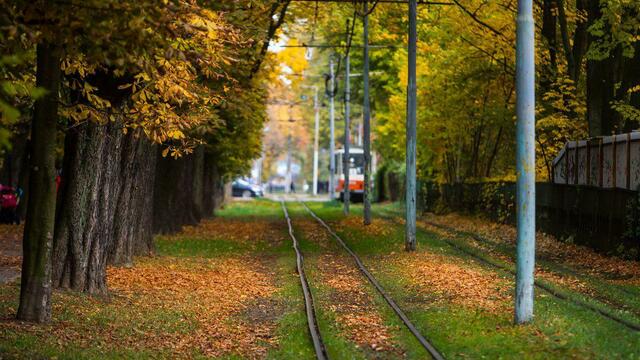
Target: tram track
(540, 285)
(426, 344)
(312, 321)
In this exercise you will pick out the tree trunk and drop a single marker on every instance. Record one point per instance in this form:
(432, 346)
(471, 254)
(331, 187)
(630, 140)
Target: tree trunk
(579, 42)
(132, 234)
(35, 289)
(609, 80)
(23, 181)
(14, 159)
(208, 188)
(566, 44)
(600, 86)
(87, 212)
(494, 153)
(173, 204)
(549, 31)
(197, 194)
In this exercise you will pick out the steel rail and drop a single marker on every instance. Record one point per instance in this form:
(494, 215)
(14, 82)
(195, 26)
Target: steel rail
(630, 325)
(495, 244)
(431, 349)
(314, 330)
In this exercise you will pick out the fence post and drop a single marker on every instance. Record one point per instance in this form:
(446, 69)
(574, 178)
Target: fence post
(576, 164)
(588, 182)
(614, 166)
(601, 162)
(567, 174)
(628, 167)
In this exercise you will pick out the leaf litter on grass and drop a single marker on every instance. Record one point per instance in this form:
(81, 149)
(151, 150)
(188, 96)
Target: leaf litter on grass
(182, 307)
(548, 246)
(245, 232)
(353, 306)
(451, 282)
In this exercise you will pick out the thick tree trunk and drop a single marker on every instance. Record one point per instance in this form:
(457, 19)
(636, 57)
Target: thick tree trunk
(132, 233)
(208, 188)
(609, 80)
(14, 159)
(549, 19)
(87, 212)
(23, 181)
(173, 194)
(197, 193)
(35, 289)
(144, 244)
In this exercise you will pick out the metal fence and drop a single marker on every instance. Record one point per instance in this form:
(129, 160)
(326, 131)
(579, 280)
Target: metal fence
(606, 162)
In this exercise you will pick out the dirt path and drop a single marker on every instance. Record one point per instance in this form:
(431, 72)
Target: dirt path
(10, 252)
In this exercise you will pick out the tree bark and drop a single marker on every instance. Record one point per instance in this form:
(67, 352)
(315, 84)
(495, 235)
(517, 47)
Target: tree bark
(549, 32)
(209, 183)
(173, 203)
(131, 233)
(35, 289)
(87, 212)
(609, 80)
(494, 153)
(579, 42)
(198, 185)
(564, 32)
(14, 159)
(23, 180)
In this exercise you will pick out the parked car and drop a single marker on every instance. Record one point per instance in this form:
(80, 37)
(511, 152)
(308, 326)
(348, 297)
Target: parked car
(244, 189)
(9, 205)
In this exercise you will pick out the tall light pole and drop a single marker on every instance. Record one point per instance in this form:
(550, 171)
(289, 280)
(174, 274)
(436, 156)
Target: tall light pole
(316, 108)
(289, 178)
(366, 119)
(346, 193)
(332, 131)
(410, 223)
(525, 162)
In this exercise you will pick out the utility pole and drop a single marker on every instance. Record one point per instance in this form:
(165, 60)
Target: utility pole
(366, 119)
(346, 164)
(316, 108)
(289, 178)
(525, 162)
(332, 130)
(410, 223)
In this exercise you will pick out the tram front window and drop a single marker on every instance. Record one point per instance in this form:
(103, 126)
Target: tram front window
(356, 164)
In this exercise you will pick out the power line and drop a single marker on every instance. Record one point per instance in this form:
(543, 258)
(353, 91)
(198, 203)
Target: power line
(340, 46)
(420, 2)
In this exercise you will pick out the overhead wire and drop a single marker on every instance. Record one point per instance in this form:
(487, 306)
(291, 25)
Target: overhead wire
(333, 92)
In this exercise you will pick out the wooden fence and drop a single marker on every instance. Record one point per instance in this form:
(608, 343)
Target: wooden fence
(605, 162)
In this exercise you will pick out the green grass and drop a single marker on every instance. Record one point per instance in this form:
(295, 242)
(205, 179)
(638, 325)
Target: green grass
(620, 300)
(561, 329)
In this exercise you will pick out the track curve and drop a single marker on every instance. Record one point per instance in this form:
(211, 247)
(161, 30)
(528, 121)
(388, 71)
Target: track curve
(430, 348)
(314, 330)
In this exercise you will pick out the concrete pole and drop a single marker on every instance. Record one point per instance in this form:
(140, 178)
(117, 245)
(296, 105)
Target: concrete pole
(410, 224)
(366, 114)
(289, 178)
(346, 164)
(332, 130)
(525, 162)
(316, 108)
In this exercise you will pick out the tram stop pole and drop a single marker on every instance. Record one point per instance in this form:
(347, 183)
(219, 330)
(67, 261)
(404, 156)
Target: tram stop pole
(410, 221)
(525, 162)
